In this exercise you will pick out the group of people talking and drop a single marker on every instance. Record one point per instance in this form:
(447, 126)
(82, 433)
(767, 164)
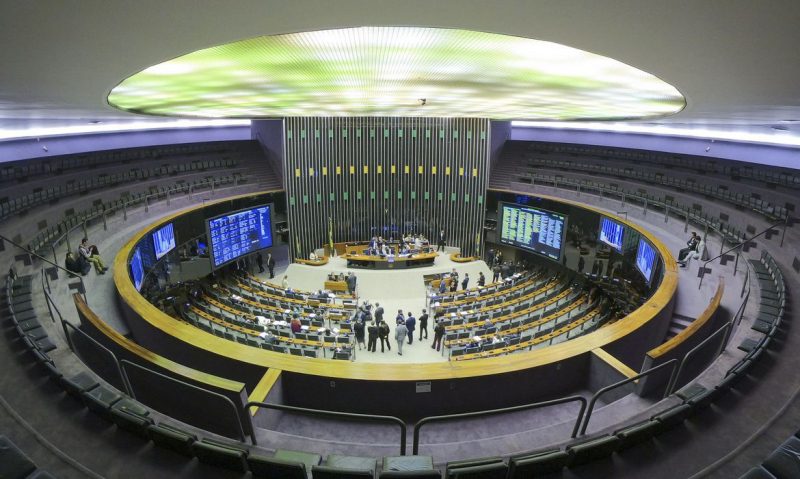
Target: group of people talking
(369, 324)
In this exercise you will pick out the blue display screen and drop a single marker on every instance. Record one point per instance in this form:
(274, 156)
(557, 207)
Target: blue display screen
(533, 229)
(645, 259)
(164, 240)
(611, 233)
(137, 270)
(237, 234)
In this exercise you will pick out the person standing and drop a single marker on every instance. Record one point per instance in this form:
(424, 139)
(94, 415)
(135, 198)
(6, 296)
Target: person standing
(399, 318)
(438, 334)
(441, 241)
(260, 262)
(270, 265)
(378, 313)
(442, 285)
(465, 282)
(411, 325)
(423, 324)
(495, 273)
(358, 329)
(481, 279)
(400, 334)
(372, 331)
(383, 333)
(285, 282)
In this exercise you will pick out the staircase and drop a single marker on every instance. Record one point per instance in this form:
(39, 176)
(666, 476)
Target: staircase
(679, 323)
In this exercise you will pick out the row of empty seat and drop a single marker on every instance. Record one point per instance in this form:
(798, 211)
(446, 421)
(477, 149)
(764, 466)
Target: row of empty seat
(15, 464)
(49, 236)
(773, 212)
(21, 203)
(24, 170)
(731, 233)
(701, 164)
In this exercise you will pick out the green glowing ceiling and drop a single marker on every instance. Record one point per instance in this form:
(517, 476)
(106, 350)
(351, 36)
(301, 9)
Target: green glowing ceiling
(388, 71)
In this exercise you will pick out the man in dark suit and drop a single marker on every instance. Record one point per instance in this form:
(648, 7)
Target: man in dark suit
(441, 241)
(270, 265)
(465, 283)
(383, 333)
(372, 335)
(378, 313)
(438, 333)
(260, 262)
(423, 324)
(411, 324)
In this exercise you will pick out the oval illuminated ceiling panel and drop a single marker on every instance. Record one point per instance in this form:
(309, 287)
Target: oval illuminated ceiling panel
(396, 71)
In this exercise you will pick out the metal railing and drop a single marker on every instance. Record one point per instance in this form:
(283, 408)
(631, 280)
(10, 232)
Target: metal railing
(321, 412)
(493, 412)
(734, 247)
(596, 396)
(674, 380)
(236, 412)
(122, 378)
(69, 273)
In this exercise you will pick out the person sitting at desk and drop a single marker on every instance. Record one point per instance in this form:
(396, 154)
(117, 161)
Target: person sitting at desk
(296, 325)
(268, 337)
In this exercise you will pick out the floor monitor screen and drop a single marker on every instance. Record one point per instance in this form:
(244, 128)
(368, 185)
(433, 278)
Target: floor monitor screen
(533, 229)
(611, 233)
(164, 240)
(645, 259)
(234, 235)
(137, 269)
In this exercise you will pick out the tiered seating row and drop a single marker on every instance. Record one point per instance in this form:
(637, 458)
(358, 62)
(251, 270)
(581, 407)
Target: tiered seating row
(772, 307)
(511, 290)
(555, 328)
(42, 242)
(15, 464)
(517, 308)
(117, 407)
(201, 153)
(770, 211)
(17, 300)
(22, 203)
(233, 324)
(769, 175)
(478, 292)
(732, 234)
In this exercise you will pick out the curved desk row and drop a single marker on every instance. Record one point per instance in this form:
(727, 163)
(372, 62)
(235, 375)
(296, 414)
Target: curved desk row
(454, 386)
(390, 262)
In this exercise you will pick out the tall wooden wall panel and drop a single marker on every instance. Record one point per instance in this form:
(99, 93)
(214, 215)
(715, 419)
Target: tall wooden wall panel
(386, 176)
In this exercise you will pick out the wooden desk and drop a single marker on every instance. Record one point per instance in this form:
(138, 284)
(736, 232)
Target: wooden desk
(340, 286)
(398, 262)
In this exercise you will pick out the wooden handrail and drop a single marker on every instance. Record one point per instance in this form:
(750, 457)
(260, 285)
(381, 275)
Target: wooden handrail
(698, 323)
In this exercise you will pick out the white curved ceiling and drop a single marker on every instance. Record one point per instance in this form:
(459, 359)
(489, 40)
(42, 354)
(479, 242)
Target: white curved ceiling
(735, 62)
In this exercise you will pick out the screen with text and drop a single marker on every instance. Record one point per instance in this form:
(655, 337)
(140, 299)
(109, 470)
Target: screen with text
(164, 240)
(645, 259)
(611, 233)
(533, 229)
(137, 269)
(237, 234)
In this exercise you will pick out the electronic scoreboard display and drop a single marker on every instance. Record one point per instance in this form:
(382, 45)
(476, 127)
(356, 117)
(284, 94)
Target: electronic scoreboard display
(611, 233)
(237, 234)
(533, 229)
(645, 259)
